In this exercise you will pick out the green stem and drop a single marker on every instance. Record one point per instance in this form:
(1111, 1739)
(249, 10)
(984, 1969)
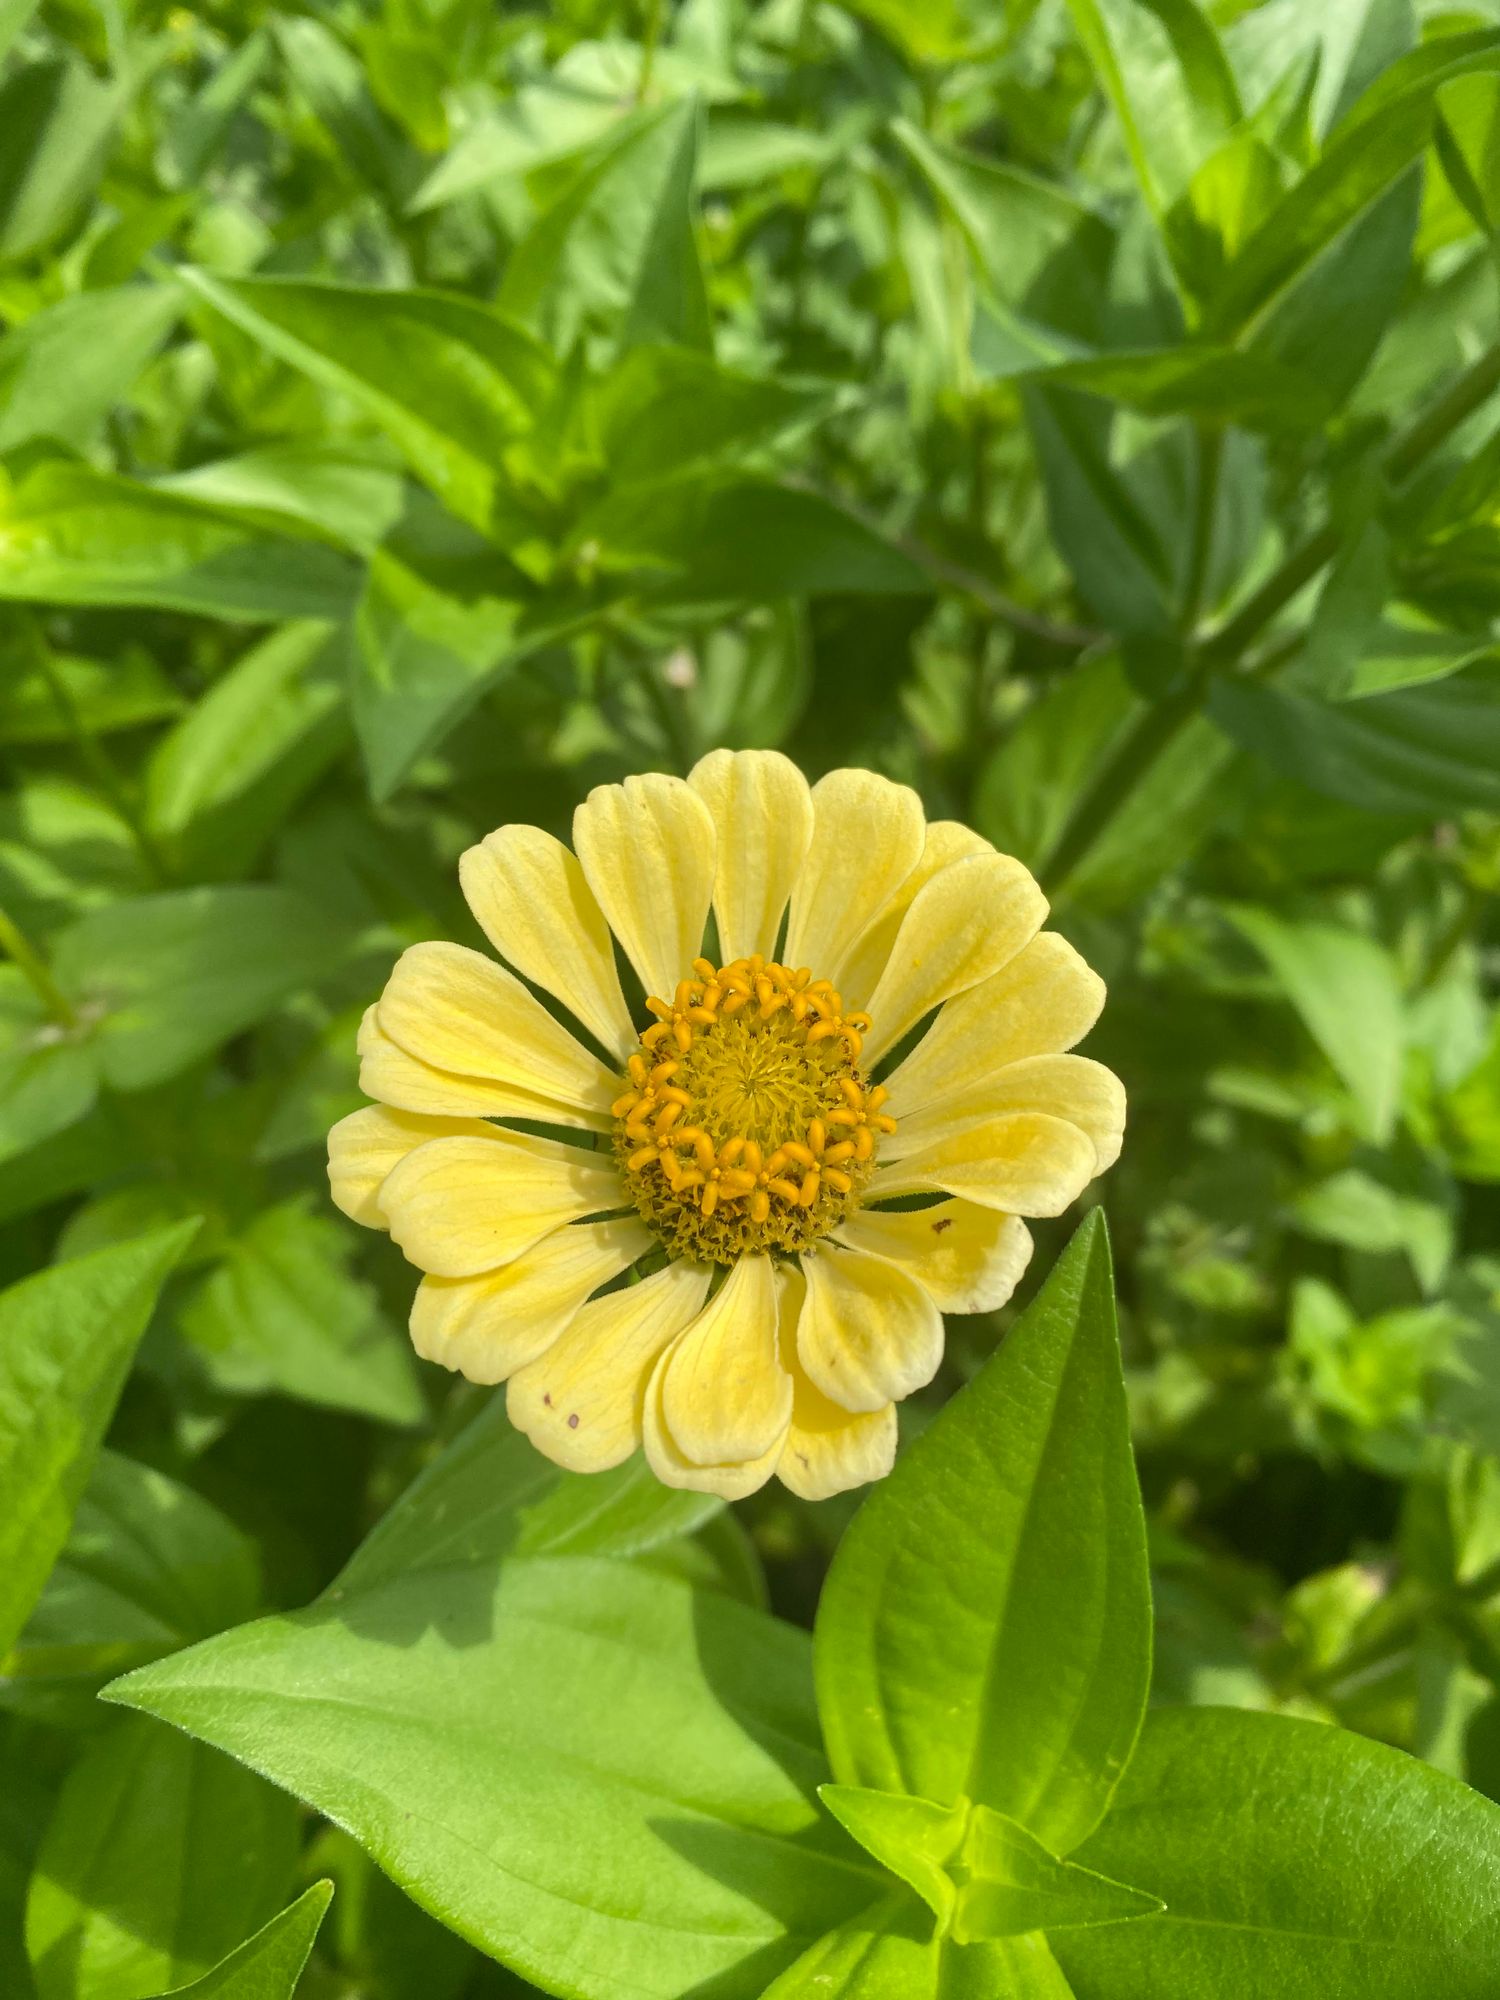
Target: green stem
(35, 971)
(95, 757)
(1159, 726)
(1205, 512)
(655, 10)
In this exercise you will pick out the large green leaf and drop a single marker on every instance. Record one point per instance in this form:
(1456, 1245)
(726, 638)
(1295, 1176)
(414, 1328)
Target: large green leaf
(1013, 1527)
(72, 536)
(1427, 750)
(1294, 1859)
(450, 381)
(66, 1340)
(888, 1953)
(159, 1857)
(56, 120)
(149, 1566)
(165, 979)
(593, 1772)
(268, 1965)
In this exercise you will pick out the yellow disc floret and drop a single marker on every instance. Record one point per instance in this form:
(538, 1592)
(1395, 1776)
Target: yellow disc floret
(745, 1124)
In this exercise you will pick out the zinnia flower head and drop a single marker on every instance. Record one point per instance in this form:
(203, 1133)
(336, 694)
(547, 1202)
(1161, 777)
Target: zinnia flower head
(737, 1146)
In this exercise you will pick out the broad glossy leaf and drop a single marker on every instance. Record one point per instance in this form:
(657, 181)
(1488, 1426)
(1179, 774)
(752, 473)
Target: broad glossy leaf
(1015, 1888)
(1345, 988)
(165, 979)
(268, 1965)
(63, 369)
(1427, 750)
(596, 1774)
(282, 1311)
(1294, 1859)
(149, 1566)
(450, 381)
(160, 1856)
(915, 1838)
(69, 535)
(1013, 1528)
(615, 251)
(67, 1336)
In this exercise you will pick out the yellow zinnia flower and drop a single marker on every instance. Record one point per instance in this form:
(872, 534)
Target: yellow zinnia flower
(733, 1141)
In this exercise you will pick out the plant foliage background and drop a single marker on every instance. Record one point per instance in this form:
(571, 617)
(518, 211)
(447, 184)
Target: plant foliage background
(412, 415)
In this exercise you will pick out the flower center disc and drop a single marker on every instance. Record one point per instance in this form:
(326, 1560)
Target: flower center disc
(746, 1124)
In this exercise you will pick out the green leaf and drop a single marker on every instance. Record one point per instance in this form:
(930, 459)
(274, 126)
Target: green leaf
(268, 1965)
(1345, 988)
(1427, 750)
(166, 979)
(914, 1838)
(1386, 131)
(888, 1954)
(1103, 533)
(665, 408)
(615, 252)
(1162, 67)
(451, 382)
(221, 782)
(423, 656)
(333, 82)
(49, 1077)
(354, 492)
(1013, 1526)
(67, 1336)
(490, 1495)
(1468, 144)
(149, 1566)
(596, 1774)
(1293, 1859)
(119, 693)
(72, 536)
(283, 1311)
(62, 370)
(160, 1856)
(56, 120)
(1218, 384)
(750, 539)
(1015, 1887)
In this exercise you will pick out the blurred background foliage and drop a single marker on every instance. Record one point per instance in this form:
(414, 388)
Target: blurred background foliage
(412, 414)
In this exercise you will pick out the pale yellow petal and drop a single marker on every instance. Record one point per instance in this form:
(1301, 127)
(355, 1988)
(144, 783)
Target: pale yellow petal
(388, 1073)
(734, 1480)
(1083, 1092)
(868, 1334)
(455, 1009)
(489, 1326)
(531, 899)
(763, 811)
(363, 1148)
(828, 1449)
(948, 840)
(963, 926)
(461, 1206)
(967, 1259)
(1044, 1001)
(647, 848)
(867, 838)
(1022, 1161)
(581, 1402)
(725, 1397)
